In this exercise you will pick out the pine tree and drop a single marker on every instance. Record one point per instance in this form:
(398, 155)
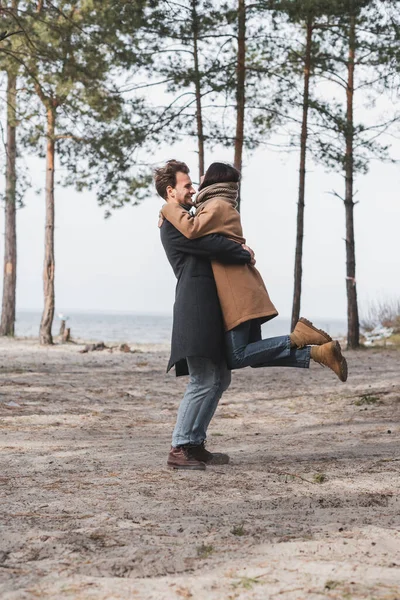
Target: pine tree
(9, 45)
(72, 56)
(252, 102)
(362, 46)
(10, 230)
(306, 60)
(240, 87)
(190, 40)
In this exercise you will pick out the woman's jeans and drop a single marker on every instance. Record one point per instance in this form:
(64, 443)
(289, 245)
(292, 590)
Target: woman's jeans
(245, 348)
(208, 381)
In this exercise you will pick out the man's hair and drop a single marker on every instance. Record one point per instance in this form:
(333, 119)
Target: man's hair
(219, 172)
(165, 176)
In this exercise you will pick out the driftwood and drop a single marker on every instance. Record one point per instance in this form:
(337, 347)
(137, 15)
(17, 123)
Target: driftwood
(124, 348)
(65, 332)
(94, 347)
(62, 328)
(102, 346)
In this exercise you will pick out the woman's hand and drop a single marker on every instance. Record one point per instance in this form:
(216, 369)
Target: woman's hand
(160, 219)
(251, 252)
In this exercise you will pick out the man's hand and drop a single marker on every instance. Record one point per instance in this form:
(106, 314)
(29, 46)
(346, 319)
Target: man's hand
(250, 251)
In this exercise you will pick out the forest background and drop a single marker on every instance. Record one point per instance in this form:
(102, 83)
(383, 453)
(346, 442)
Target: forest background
(97, 94)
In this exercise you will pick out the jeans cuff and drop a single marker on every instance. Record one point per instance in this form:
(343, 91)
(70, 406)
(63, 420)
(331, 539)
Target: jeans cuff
(307, 358)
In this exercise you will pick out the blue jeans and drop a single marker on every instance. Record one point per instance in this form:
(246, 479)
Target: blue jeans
(208, 381)
(245, 348)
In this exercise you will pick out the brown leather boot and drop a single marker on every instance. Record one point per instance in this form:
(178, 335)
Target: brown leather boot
(305, 334)
(330, 355)
(181, 458)
(199, 452)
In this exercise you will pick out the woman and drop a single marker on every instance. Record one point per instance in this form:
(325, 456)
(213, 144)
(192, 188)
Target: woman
(244, 299)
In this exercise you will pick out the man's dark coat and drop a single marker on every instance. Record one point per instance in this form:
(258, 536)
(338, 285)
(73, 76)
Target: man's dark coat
(197, 324)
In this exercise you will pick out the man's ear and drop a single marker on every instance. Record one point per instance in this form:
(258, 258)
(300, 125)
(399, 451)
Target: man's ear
(170, 190)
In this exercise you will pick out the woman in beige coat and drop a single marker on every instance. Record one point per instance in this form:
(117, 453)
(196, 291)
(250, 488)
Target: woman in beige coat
(244, 299)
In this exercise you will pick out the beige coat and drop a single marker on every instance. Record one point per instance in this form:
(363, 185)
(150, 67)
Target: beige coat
(241, 290)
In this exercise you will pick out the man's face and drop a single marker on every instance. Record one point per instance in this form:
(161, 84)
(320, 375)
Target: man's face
(183, 191)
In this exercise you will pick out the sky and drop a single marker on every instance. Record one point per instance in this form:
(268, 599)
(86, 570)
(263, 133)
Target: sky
(119, 264)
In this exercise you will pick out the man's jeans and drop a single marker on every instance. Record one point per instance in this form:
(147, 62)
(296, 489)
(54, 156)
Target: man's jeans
(206, 385)
(245, 348)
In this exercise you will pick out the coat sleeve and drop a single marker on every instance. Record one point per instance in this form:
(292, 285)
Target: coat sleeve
(193, 227)
(212, 247)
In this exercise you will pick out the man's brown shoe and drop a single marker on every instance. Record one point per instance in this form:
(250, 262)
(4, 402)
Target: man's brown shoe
(305, 334)
(199, 452)
(330, 355)
(181, 458)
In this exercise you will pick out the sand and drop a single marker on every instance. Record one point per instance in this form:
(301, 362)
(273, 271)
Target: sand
(308, 508)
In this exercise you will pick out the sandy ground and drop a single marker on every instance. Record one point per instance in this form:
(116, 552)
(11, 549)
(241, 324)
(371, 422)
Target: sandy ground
(89, 509)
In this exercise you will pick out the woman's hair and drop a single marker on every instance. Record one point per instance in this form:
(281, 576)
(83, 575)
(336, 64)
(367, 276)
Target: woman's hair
(219, 172)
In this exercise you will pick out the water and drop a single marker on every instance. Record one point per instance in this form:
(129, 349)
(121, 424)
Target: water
(141, 329)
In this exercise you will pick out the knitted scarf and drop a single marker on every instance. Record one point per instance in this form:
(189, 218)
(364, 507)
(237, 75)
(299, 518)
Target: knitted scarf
(224, 191)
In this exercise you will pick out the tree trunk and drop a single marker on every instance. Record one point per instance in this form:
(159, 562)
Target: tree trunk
(353, 326)
(240, 88)
(10, 235)
(48, 272)
(298, 262)
(197, 81)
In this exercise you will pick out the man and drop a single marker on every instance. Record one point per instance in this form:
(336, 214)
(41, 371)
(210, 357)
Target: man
(197, 345)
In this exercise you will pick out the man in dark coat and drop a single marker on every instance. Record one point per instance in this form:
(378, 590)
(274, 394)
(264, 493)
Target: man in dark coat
(197, 345)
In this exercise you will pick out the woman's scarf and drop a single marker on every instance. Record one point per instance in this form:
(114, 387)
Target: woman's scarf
(224, 191)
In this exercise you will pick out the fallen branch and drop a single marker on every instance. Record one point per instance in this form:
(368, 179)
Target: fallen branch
(93, 347)
(293, 475)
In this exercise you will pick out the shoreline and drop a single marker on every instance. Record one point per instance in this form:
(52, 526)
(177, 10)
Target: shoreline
(78, 343)
(33, 341)
(135, 328)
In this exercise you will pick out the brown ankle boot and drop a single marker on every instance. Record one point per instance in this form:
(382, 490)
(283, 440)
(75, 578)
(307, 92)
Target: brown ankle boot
(330, 355)
(305, 334)
(200, 452)
(181, 458)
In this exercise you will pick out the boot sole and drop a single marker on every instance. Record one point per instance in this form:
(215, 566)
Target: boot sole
(320, 331)
(343, 371)
(186, 468)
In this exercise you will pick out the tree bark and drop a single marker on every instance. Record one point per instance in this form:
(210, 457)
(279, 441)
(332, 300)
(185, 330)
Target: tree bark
(197, 81)
(49, 264)
(353, 326)
(10, 234)
(298, 262)
(240, 88)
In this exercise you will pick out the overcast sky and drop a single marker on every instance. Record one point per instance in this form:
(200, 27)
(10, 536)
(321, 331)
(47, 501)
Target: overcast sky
(119, 264)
